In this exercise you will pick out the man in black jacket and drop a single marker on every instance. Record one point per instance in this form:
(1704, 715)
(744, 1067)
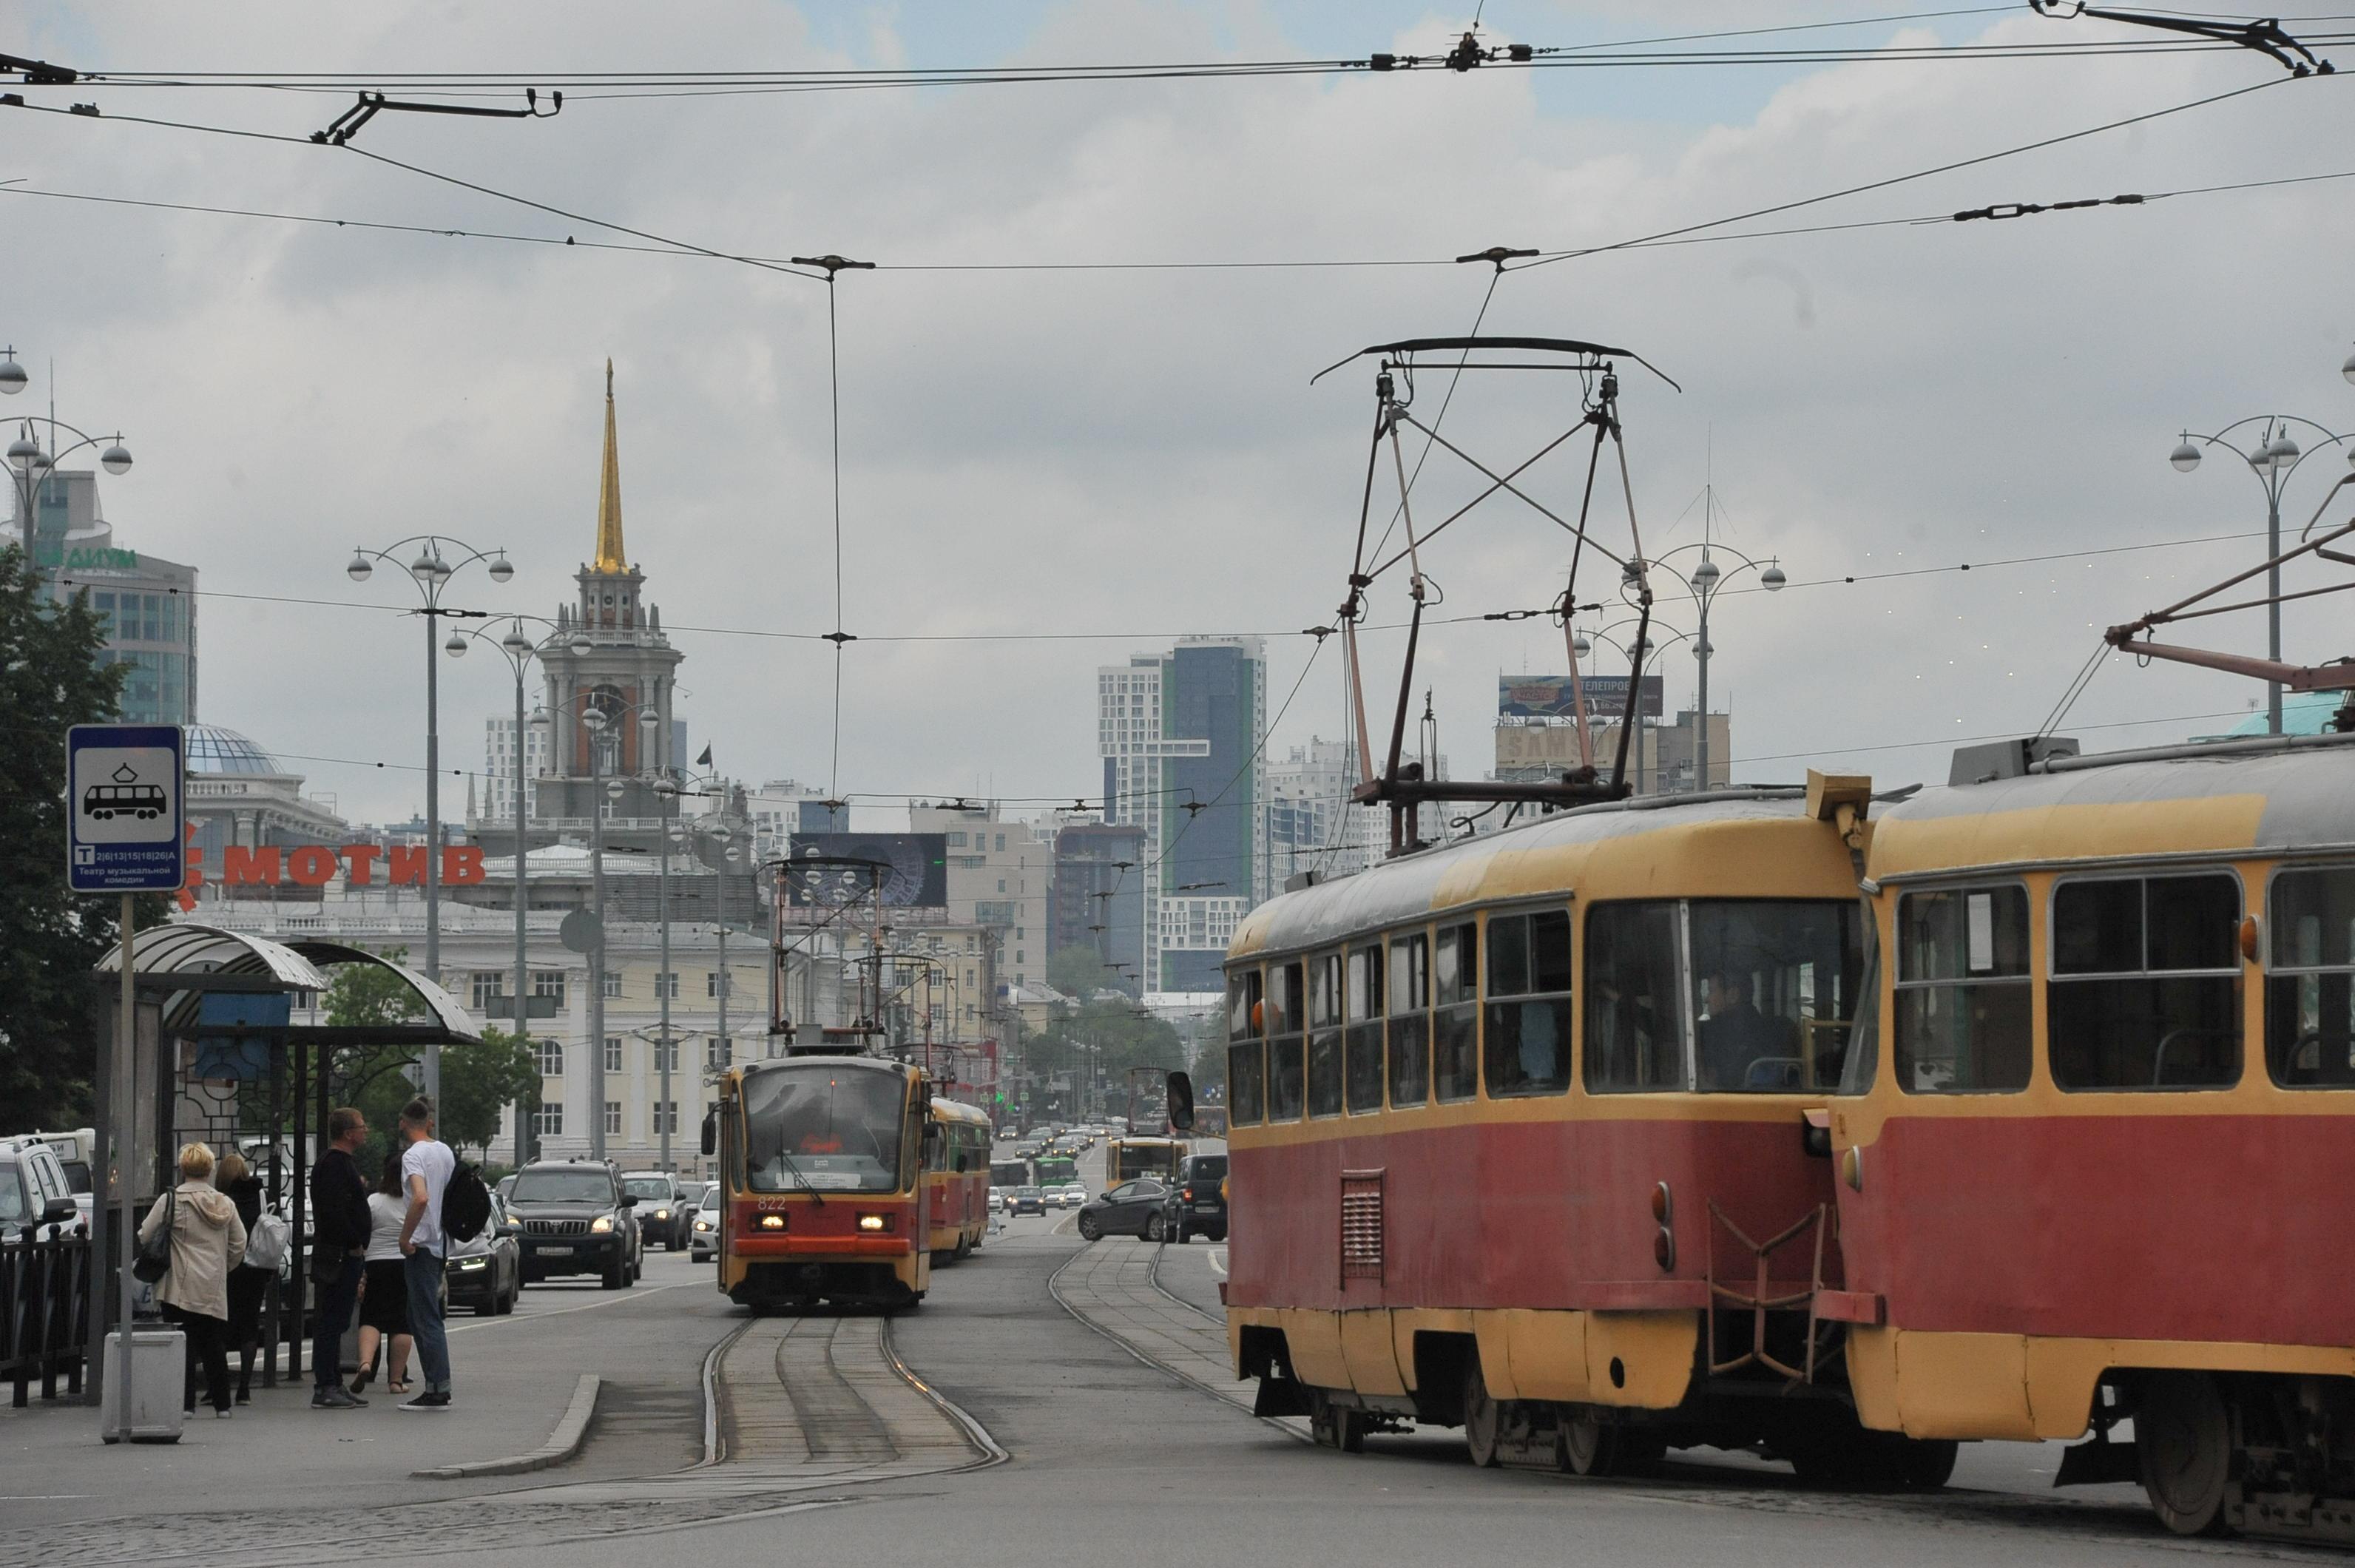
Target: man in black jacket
(339, 1238)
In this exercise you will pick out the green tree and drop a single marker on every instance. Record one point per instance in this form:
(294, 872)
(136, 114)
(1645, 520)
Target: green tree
(50, 679)
(373, 1078)
(478, 1081)
(1079, 973)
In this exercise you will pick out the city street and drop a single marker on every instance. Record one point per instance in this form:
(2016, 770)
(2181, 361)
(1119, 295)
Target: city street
(1048, 1394)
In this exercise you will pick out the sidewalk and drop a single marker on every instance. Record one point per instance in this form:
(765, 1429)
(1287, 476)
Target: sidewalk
(513, 1377)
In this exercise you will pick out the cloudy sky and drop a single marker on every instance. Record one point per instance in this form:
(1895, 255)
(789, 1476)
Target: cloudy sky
(1115, 457)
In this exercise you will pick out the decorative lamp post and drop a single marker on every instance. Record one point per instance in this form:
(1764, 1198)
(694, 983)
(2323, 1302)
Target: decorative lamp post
(1708, 580)
(430, 570)
(29, 463)
(2272, 458)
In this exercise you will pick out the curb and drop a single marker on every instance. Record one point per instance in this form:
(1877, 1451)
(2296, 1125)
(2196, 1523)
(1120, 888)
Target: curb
(562, 1444)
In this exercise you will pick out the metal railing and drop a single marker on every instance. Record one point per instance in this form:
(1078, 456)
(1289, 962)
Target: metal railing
(44, 1315)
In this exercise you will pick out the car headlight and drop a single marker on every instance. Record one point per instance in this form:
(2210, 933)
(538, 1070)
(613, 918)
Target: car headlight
(601, 1224)
(470, 1262)
(662, 1214)
(703, 1224)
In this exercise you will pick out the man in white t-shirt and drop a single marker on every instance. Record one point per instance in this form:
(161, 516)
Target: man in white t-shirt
(426, 1166)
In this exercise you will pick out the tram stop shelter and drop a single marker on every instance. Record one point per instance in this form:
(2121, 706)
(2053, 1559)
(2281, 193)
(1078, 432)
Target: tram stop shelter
(220, 1058)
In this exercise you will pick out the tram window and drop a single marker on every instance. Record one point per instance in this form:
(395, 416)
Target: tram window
(1325, 1035)
(1862, 1062)
(1456, 1018)
(1963, 1000)
(1284, 1061)
(2310, 989)
(1409, 1020)
(1775, 989)
(1246, 1056)
(1634, 1019)
(2144, 992)
(1362, 1068)
(1526, 1023)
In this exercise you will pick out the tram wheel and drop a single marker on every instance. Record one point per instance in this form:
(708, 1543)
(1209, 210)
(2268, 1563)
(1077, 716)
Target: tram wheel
(1332, 1425)
(1585, 1444)
(1927, 1463)
(1484, 1418)
(2183, 1437)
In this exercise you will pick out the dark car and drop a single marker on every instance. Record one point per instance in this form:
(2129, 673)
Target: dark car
(576, 1219)
(1197, 1204)
(1132, 1208)
(662, 1207)
(1027, 1200)
(486, 1273)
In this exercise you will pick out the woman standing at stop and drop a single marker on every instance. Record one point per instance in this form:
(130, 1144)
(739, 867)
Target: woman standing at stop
(384, 1287)
(207, 1241)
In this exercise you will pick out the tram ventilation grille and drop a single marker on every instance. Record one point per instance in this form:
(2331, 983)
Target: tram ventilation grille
(1361, 1224)
(556, 1227)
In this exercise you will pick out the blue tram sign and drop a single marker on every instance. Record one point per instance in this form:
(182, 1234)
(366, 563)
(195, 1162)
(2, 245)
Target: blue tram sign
(124, 830)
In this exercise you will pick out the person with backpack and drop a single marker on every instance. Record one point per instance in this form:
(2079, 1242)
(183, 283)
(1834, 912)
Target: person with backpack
(339, 1238)
(426, 1168)
(250, 1278)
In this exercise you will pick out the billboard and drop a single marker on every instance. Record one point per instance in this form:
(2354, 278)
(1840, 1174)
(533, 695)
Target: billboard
(914, 869)
(1549, 697)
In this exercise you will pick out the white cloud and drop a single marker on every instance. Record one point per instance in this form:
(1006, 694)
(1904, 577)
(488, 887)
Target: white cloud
(1140, 451)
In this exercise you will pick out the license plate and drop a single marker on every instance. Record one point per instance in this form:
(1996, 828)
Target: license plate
(556, 1252)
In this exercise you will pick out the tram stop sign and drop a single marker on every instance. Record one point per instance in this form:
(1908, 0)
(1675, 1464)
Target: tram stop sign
(124, 828)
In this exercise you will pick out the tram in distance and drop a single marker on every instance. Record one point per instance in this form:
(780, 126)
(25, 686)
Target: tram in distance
(957, 1175)
(1516, 1140)
(1128, 1158)
(2094, 1145)
(824, 1190)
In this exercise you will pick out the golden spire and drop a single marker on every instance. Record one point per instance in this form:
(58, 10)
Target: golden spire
(610, 556)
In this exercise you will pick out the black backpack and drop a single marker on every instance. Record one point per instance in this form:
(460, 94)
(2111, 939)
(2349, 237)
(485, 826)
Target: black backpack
(465, 1203)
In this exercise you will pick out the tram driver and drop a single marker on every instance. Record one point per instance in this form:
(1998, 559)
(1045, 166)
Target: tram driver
(1735, 1035)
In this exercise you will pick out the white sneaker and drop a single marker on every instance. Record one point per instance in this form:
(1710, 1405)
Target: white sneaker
(220, 1415)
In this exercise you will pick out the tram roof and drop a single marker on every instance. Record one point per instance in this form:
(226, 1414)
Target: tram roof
(2201, 801)
(1711, 845)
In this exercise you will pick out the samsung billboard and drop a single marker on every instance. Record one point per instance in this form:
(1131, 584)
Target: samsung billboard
(1550, 696)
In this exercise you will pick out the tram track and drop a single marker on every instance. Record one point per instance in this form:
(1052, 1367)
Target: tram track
(1114, 1288)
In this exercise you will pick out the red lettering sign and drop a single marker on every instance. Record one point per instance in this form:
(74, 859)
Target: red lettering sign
(462, 865)
(244, 868)
(313, 864)
(316, 865)
(407, 864)
(363, 859)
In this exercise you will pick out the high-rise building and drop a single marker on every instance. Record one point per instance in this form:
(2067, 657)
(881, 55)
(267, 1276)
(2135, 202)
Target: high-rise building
(1180, 734)
(1100, 877)
(609, 653)
(1312, 824)
(499, 765)
(1000, 873)
(148, 604)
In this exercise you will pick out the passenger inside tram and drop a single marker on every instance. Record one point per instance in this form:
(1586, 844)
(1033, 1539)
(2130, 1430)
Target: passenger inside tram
(1736, 1038)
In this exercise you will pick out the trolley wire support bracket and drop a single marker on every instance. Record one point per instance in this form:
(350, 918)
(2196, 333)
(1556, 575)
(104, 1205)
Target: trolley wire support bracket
(2263, 34)
(348, 124)
(1402, 785)
(2332, 674)
(1759, 1299)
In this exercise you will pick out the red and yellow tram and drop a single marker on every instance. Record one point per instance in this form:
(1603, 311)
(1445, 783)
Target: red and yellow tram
(956, 1180)
(2093, 1149)
(1518, 1140)
(823, 1189)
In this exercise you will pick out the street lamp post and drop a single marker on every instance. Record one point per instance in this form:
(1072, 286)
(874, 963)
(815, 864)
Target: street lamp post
(2272, 458)
(31, 464)
(1708, 580)
(1583, 643)
(431, 572)
(520, 651)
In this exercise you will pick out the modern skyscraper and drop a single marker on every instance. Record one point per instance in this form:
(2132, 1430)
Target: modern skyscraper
(1180, 734)
(1311, 823)
(149, 604)
(499, 758)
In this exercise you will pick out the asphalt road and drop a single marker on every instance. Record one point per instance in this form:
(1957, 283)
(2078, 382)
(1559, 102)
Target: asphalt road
(990, 1426)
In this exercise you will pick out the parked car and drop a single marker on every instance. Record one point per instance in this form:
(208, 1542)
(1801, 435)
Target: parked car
(1027, 1201)
(703, 1225)
(1073, 1194)
(576, 1219)
(36, 1201)
(506, 1184)
(662, 1207)
(997, 1200)
(1132, 1208)
(1197, 1204)
(486, 1273)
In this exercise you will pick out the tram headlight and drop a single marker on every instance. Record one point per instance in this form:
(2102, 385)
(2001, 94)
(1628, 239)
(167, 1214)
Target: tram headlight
(874, 1223)
(772, 1222)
